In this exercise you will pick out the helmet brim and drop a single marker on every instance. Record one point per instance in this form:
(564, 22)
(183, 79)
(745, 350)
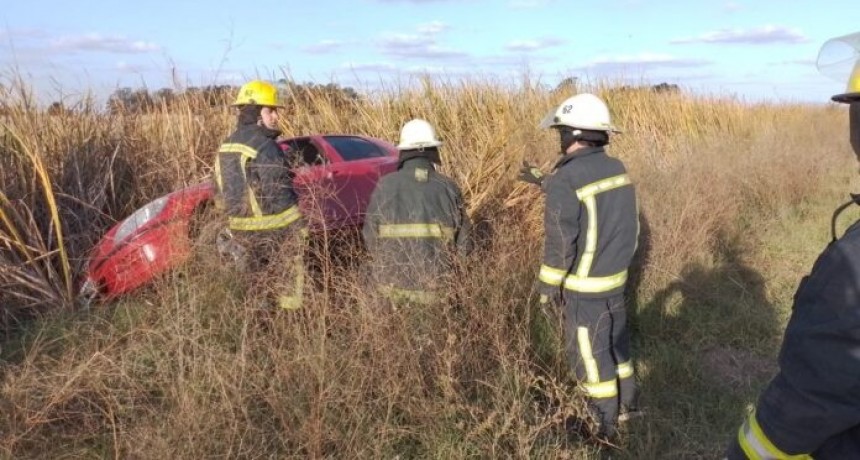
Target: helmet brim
(419, 146)
(549, 121)
(846, 98)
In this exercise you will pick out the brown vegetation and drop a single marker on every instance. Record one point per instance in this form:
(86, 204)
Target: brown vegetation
(192, 369)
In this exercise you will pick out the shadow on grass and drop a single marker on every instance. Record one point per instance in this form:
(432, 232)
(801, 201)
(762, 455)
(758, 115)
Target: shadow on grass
(705, 344)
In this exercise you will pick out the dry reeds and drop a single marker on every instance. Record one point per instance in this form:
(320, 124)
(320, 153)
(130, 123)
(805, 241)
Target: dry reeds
(192, 368)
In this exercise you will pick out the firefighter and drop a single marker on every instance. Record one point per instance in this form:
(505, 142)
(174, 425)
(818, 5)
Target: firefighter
(415, 222)
(591, 228)
(811, 409)
(255, 191)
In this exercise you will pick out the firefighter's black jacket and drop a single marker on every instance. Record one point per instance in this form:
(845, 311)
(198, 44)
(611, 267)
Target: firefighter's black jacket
(415, 223)
(813, 405)
(591, 225)
(253, 181)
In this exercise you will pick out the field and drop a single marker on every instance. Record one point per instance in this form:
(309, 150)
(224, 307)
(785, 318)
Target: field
(735, 197)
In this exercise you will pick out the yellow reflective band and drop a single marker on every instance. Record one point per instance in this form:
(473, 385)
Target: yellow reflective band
(218, 174)
(595, 284)
(415, 231)
(603, 186)
(592, 375)
(854, 80)
(625, 370)
(590, 238)
(271, 222)
(551, 276)
(608, 389)
(294, 302)
(255, 205)
(757, 446)
(398, 295)
(252, 198)
(241, 149)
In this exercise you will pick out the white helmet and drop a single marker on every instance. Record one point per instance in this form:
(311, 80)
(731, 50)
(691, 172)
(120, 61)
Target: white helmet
(417, 134)
(583, 111)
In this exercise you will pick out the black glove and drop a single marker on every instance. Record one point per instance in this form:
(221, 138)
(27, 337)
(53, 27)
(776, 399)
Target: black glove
(530, 174)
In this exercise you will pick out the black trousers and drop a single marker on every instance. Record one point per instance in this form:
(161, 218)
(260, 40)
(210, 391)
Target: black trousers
(597, 342)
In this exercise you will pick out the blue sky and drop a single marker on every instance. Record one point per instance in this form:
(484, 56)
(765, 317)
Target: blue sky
(758, 49)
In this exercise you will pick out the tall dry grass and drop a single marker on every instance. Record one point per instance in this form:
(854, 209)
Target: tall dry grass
(191, 368)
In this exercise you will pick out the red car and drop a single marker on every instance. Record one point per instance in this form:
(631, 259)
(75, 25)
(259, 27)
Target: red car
(334, 177)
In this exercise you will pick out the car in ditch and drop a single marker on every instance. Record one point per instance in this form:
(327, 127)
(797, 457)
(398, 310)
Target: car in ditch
(333, 175)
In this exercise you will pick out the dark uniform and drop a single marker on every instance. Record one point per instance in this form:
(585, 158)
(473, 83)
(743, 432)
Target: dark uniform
(591, 225)
(812, 407)
(255, 191)
(415, 223)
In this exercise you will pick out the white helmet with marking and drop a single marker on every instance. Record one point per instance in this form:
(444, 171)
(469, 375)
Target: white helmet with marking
(418, 134)
(584, 111)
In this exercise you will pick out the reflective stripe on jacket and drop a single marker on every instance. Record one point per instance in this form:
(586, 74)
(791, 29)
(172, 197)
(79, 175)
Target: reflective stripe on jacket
(591, 223)
(415, 222)
(253, 181)
(812, 406)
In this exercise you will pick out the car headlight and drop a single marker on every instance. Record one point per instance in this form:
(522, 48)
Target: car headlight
(139, 219)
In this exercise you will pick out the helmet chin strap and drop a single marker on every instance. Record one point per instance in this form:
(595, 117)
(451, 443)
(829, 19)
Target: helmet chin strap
(855, 199)
(568, 137)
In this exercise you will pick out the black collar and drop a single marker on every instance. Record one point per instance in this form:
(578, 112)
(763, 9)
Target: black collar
(262, 130)
(583, 152)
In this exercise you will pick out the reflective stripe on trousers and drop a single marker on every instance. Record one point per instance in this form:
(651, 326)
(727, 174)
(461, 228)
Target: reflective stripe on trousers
(415, 230)
(401, 296)
(270, 222)
(593, 386)
(757, 446)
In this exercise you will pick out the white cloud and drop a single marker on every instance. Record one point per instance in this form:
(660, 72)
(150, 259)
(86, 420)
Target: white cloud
(323, 46)
(379, 67)
(14, 34)
(527, 4)
(103, 43)
(756, 36)
(642, 61)
(801, 62)
(433, 28)
(417, 47)
(420, 2)
(732, 7)
(534, 45)
(125, 67)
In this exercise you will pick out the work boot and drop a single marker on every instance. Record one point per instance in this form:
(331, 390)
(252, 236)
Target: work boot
(625, 414)
(591, 432)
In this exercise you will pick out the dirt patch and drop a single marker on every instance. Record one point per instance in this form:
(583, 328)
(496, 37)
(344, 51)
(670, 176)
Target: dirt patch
(732, 368)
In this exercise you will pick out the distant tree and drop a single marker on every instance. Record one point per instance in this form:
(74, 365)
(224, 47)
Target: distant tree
(56, 108)
(569, 85)
(141, 101)
(128, 100)
(118, 101)
(666, 88)
(163, 97)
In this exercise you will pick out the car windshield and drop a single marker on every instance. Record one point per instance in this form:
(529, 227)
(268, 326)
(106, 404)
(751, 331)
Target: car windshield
(354, 148)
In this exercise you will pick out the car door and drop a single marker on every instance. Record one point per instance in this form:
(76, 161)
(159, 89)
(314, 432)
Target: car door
(360, 162)
(312, 178)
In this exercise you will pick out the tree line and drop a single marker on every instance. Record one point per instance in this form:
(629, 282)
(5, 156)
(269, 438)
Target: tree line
(142, 100)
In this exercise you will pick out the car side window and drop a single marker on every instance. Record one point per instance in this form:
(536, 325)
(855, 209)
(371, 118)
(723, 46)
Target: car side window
(354, 148)
(302, 152)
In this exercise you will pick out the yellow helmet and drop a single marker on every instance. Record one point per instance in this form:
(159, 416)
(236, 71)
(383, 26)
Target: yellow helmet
(852, 91)
(258, 92)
